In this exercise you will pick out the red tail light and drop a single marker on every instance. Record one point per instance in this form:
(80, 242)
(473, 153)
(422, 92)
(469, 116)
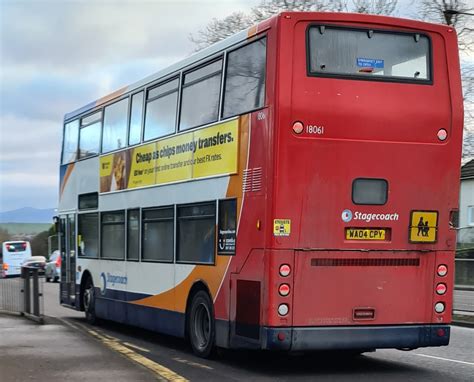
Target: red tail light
(285, 270)
(58, 262)
(284, 290)
(442, 270)
(441, 288)
(23, 246)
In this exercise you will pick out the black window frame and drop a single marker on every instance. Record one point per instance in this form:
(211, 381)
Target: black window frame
(310, 73)
(82, 126)
(76, 158)
(96, 194)
(220, 57)
(127, 123)
(124, 223)
(220, 202)
(142, 236)
(222, 95)
(198, 217)
(147, 100)
(370, 204)
(138, 259)
(142, 116)
(79, 217)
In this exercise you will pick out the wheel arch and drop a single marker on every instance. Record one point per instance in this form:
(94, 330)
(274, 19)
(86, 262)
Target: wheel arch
(85, 275)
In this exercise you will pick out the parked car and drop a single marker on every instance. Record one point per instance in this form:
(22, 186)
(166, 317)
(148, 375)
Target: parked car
(35, 262)
(52, 271)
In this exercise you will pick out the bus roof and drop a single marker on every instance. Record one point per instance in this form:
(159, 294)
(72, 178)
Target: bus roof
(248, 33)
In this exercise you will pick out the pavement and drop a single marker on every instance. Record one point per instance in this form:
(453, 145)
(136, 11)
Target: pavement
(54, 352)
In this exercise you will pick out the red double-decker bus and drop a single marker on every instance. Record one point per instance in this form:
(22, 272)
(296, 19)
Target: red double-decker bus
(289, 188)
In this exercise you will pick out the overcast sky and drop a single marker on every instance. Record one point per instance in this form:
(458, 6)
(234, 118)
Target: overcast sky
(58, 55)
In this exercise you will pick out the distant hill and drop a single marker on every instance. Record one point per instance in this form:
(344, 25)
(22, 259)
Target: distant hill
(22, 231)
(28, 215)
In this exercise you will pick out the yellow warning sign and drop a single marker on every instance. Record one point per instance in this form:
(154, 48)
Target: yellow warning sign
(281, 227)
(423, 226)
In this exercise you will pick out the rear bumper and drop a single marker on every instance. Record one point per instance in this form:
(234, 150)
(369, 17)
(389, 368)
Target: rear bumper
(366, 337)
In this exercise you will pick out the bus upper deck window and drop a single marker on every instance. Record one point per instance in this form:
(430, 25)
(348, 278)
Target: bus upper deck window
(70, 142)
(369, 191)
(115, 126)
(371, 54)
(200, 96)
(160, 113)
(89, 135)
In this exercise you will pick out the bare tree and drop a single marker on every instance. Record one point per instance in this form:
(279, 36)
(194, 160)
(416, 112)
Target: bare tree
(453, 12)
(268, 8)
(375, 7)
(219, 29)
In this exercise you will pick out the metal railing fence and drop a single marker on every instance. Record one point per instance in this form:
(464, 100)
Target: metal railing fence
(11, 297)
(23, 295)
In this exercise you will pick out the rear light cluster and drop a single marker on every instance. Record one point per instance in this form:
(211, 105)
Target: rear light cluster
(441, 288)
(284, 289)
(58, 262)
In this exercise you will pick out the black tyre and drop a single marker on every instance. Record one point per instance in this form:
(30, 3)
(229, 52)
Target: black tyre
(88, 301)
(201, 325)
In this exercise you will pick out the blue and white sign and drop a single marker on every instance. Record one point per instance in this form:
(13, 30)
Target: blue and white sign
(112, 280)
(370, 63)
(346, 216)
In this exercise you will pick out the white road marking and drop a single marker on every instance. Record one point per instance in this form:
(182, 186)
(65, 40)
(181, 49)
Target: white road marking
(191, 363)
(445, 359)
(136, 347)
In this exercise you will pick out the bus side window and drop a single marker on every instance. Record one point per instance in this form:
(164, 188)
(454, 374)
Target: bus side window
(89, 135)
(136, 113)
(245, 79)
(160, 112)
(158, 234)
(112, 236)
(115, 126)
(196, 233)
(227, 227)
(200, 96)
(88, 235)
(70, 142)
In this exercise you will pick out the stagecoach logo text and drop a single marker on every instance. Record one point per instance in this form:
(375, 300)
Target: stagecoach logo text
(112, 280)
(347, 216)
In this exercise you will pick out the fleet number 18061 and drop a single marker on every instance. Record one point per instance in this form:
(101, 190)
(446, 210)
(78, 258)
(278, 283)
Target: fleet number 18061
(315, 129)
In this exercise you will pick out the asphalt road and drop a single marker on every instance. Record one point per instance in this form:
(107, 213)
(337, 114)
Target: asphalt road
(464, 300)
(171, 359)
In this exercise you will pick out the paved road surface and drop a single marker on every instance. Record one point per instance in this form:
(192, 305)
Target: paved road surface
(163, 354)
(464, 300)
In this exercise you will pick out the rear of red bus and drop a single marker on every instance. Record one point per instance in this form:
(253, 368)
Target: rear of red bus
(368, 139)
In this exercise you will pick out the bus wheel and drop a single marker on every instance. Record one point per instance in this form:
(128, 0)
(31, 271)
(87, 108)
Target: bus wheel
(88, 300)
(201, 328)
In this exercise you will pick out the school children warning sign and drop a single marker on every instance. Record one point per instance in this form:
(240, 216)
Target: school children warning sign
(206, 152)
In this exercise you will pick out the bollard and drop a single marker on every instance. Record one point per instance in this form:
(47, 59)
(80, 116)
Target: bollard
(36, 300)
(25, 275)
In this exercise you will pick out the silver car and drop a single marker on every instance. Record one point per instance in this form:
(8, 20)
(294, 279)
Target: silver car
(52, 271)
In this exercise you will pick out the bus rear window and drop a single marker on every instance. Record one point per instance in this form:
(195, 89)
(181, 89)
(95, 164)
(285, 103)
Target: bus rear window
(370, 54)
(16, 247)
